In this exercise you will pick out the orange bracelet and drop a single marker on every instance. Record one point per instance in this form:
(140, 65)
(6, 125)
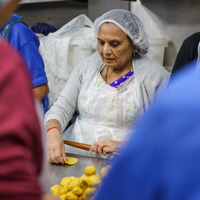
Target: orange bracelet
(52, 128)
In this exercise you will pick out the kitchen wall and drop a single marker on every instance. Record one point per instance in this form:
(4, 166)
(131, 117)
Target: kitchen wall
(174, 20)
(98, 7)
(54, 13)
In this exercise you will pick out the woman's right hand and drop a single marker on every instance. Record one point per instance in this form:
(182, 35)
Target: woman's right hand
(56, 148)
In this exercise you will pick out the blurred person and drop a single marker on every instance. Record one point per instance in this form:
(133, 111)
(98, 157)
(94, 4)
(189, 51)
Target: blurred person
(27, 43)
(161, 160)
(21, 150)
(110, 89)
(187, 53)
(20, 134)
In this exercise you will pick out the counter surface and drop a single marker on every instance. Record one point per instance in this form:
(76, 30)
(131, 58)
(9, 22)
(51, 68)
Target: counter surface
(53, 173)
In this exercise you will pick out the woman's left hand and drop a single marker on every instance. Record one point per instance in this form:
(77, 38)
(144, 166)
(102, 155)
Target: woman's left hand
(105, 146)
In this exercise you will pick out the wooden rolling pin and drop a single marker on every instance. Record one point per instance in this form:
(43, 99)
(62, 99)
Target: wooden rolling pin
(82, 146)
(78, 145)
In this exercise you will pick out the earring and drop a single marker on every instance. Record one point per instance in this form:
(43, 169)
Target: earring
(133, 55)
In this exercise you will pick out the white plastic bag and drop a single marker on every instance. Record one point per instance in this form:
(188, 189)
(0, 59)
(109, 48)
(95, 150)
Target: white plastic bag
(64, 49)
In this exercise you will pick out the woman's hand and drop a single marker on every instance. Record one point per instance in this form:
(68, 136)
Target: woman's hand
(56, 147)
(50, 197)
(105, 146)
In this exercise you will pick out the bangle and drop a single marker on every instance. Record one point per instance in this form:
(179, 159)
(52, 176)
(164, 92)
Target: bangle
(52, 128)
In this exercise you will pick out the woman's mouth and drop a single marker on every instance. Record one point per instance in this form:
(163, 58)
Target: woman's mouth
(108, 60)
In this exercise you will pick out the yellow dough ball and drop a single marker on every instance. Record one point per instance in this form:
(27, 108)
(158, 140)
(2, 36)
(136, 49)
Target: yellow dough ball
(83, 182)
(90, 170)
(90, 191)
(63, 196)
(71, 196)
(93, 180)
(83, 188)
(77, 190)
(83, 197)
(55, 189)
(66, 180)
(104, 171)
(73, 183)
(64, 190)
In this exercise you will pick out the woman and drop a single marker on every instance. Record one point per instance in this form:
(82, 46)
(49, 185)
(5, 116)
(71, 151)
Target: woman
(109, 89)
(167, 165)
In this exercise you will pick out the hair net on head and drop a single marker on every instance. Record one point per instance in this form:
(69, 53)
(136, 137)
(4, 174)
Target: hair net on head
(129, 23)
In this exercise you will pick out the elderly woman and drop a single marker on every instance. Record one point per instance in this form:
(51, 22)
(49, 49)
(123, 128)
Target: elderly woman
(109, 89)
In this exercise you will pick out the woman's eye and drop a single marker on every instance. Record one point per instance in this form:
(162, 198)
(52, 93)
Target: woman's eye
(115, 44)
(101, 42)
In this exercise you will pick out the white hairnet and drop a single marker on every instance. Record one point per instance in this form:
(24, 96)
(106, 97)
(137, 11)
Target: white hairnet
(129, 23)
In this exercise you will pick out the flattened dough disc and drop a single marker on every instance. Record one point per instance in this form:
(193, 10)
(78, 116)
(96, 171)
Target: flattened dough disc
(70, 160)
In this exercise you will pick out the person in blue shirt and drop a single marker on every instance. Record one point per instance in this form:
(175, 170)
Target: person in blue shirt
(162, 159)
(27, 43)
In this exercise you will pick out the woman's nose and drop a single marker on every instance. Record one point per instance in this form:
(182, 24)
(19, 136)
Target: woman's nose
(107, 49)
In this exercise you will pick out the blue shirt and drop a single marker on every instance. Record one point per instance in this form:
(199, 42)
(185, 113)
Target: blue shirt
(162, 159)
(26, 43)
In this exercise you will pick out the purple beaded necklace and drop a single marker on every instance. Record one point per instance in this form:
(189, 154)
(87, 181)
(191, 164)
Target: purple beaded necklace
(121, 80)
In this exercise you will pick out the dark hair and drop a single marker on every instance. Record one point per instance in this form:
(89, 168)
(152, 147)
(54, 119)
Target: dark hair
(130, 39)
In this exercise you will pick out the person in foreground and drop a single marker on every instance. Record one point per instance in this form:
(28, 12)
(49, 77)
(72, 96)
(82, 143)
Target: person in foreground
(20, 134)
(26, 43)
(110, 89)
(161, 160)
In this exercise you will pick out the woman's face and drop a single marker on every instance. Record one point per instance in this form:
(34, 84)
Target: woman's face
(114, 46)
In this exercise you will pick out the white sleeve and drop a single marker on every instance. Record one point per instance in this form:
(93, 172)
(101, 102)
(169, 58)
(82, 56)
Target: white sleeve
(156, 80)
(66, 105)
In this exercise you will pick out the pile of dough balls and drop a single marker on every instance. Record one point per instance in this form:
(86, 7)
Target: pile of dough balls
(82, 188)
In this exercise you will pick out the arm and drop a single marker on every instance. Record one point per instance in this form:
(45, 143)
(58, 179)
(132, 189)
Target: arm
(155, 81)
(151, 78)
(66, 104)
(64, 108)
(41, 91)
(56, 148)
(59, 116)
(26, 43)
